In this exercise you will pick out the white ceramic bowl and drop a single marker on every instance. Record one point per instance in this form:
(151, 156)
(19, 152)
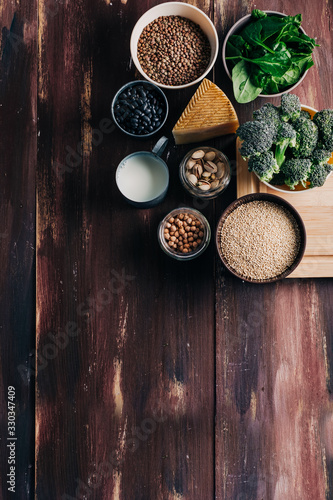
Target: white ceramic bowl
(175, 9)
(240, 25)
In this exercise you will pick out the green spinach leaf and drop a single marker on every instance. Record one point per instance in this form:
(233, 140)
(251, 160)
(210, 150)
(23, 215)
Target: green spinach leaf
(271, 87)
(270, 53)
(272, 25)
(259, 78)
(252, 34)
(303, 42)
(275, 64)
(303, 62)
(235, 46)
(258, 14)
(244, 90)
(289, 78)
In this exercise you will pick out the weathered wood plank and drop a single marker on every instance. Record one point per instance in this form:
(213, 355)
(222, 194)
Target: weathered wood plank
(18, 147)
(274, 347)
(125, 408)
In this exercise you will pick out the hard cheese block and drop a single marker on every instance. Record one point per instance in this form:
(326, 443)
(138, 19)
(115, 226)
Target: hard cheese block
(208, 114)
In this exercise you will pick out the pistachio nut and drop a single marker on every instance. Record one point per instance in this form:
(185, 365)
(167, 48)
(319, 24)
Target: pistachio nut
(204, 185)
(198, 154)
(220, 169)
(210, 167)
(190, 164)
(215, 184)
(192, 179)
(209, 156)
(197, 170)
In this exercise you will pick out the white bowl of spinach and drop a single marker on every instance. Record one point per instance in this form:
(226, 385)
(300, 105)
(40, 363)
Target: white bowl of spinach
(266, 53)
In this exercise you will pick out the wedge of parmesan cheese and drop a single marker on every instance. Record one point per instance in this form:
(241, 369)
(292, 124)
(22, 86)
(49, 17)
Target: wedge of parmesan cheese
(208, 114)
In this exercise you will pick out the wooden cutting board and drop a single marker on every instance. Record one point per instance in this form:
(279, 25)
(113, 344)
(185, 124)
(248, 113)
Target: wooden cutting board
(315, 207)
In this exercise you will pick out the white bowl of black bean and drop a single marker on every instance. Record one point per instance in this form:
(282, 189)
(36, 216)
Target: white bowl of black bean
(174, 45)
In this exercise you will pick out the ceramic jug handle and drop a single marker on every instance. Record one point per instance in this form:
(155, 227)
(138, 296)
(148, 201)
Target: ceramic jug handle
(160, 146)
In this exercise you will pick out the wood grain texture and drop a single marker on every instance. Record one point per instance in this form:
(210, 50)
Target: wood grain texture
(155, 379)
(274, 347)
(18, 149)
(126, 408)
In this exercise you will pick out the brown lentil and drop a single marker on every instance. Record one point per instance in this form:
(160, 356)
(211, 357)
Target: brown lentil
(260, 240)
(173, 50)
(191, 236)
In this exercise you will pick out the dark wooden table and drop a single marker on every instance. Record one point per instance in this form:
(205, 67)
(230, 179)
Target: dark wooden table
(138, 377)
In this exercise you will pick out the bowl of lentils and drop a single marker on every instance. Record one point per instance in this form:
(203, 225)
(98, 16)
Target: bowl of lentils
(140, 108)
(174, 45)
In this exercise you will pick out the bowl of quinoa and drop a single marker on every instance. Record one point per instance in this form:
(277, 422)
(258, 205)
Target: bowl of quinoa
(174, 45)
(260, 238)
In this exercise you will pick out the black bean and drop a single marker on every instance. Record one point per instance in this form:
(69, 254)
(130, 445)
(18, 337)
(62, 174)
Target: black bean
(139, 110)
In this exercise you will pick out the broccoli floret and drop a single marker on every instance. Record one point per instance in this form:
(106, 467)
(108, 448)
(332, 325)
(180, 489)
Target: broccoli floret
(307, 137)
(328, 167)
(264, 165)
(320, 156)
(296, 170)
(278, 179)
(318, 174)
(290, 107)
(324, 121)
(286, 136)
(305, 114)
(270, 114)
(257, 137)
